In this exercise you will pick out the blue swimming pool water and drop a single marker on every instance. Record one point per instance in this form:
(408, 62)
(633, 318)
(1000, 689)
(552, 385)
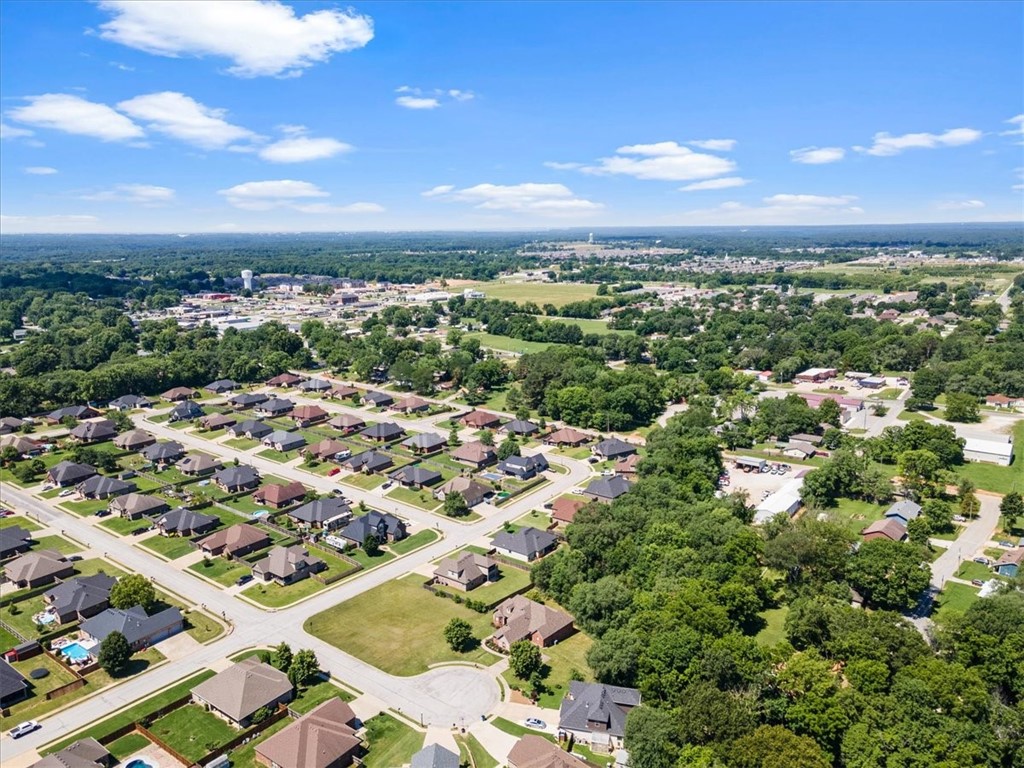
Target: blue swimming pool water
(46, 618)
(137, 763)
(76, 652)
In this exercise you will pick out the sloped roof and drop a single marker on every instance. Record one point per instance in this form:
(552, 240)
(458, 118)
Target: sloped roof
(101, 486)
(236, 537)
(425, 441)
(416, 475)
(308, 412)
(184, 520)
(137, 503)
(526, 541)
(243, 688)
(67, 472)
(532, 751)
(370, 460)
(94, 430)
(199, 462)
(11, 680)
(319, 511)
(524, 617)
(466, 567)
(315, 740)
(890, 527)
(134, 440)
(567, 435)
(133, 623)
(36, 565)
(435, 756)
(595, 703)
(164, 451)
(346, 421)
(472, 491)
(275, 493)
(609, 487)
(81, 594)
(237, 477)
(282, 562)
(476, 452)
(386, 430)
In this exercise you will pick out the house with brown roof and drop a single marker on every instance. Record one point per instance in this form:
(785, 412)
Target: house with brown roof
(135, 440)
(280, 496)
(199, 464)
(214, 421)
(564, 509)
(324, 737)
(346, 423)
(567, 436)
(84, 753)
(134, 505)
(519, 618)
(466, 571)
(285, 380)
(886, 528)
(1002, 401)
(25, 446)
(34, 569)
(472, 491)
(475, 454)
(306, 415)
(533, 751)
(177, 394)
(237, 541)
(627, 466)
(480, 420)
(341, 391)
(328, 449)
(410, 404)
(287, 565)
(237, 693)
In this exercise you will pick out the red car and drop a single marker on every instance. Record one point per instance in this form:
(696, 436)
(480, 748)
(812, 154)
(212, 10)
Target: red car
(334, 471)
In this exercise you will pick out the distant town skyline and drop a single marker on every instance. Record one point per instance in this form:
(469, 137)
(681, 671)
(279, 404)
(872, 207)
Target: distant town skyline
(254, 116)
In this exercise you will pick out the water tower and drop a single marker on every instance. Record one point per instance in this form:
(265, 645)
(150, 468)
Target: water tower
(247, 279)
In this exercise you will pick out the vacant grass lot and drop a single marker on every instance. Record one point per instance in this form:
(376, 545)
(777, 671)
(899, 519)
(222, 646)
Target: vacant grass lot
(856, 515)
(408, 624)
(508, 344)
(171, 547)
(558, 294)
(390, 742)
(366, 482)
(193, 731)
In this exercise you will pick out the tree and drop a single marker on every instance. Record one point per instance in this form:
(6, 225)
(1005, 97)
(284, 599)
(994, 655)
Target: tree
(829, 412)
(920, 471)
(773, 746)
(888, 574)
(282, 658)
(962, 407)
(651, 734)
(304, 666)
(115, 653)
(487, 437)
(524, 659)
(371, 545)
(458, 633)
(1012, 507)
(8, 455)
(453, 437)
(510, 447)
(969, 506)
(455, 505)
(133, 589)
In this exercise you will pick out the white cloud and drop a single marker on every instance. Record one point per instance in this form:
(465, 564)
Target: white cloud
(1018, 121)
(814, 201)
(144, 194)
(563, 166)
(290, 194)
(45, 224)
(714, 145)
(300, 149)
(1018, 187)
(184, 118)
(886, 145)
(13, 132)
(73, 114)
(417, 102)
(541, 199)
(351, 208)
(458, 95)
(960, 205)
(726, 182)
(40, 170)
(817, 155)
(781, 209)
(258, 37)
(663, 161)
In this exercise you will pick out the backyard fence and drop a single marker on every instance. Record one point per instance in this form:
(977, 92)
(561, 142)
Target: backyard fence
(243, 738)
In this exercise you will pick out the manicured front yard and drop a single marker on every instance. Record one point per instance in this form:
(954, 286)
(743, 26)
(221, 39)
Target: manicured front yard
(192, 731)
(561, 661)
(954, 598)
(971, 570)
(420, 499)
(86, 507)
(122, 526)
(473, 752)
(275, 596)
(408, 624)
(360, 480)
(224, 572)
(517, 730)
(241, 443)
(21, 521)
(360, 556)
(312, 696)
(62, 545)
(280, 458)
(171, 547)
(512, 580)
(390, 742)
(417, 540)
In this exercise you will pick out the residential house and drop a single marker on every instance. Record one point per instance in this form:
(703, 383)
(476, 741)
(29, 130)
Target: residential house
(100, 487)
(9, 424)
(134, 440)
(526, 544)
(797, 449)
(595, 714)
(1002, 401)
(163, 453)
(307, 415)
(472, 491)
(384, 432)
(466, 571)
(415, 476)
(435, 756)
(327, 513)
(237, 541)
(69, 473)
(25, 446)
(134, 505)
(93, 431)
(475, 454)
(14, 541)
(480, 420)
(613, 448)
(341, 391)
(520, 428)
(424, 442)
(186, 522)
(346, 423)
(523, 467)
(178, 394)
(13, 685)
(328, 449)
(76, 412)
(186, 410)
(221, 386)
(250, 429)
(284, 441)
(324, 737)
(410, 404)
(236, 479)
(519, 618)
(567, 436)
(904, 511)
(368, 462)
(237, 693)
(285, 380)
(533, 751)
(278, 406)
(287, 565)
(280, 496)
(139, 628)
(247, 400)
(804, 437)
(564, 509)
(887, 528)
(386, 527)
(213, 421)
(377, 399)
(315, 385)
(79, 599)
(627, 466)
(198, 464)
(129, 402)
(607, 488)
(1010, 562)
(84, 753)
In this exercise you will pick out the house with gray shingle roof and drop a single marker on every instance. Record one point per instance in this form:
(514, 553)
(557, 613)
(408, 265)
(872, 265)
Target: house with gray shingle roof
(607, 488)
(416, 477)
(595, 714)
(93, 431)
(424, 442)
(526, 544)
(163, 453)
(139, 628)
(135, 505)
(243, 688)
(13, 541)
(34, 569)
(81, 598)
(904, 511)
(278, 406)
(287, 565)
(69, 473)
(13, 685)
(368, 461)
(435, 756)
(100, 487)
(182, 521)
(251, 429)
(613, 448)
(284, 441)
(186, 410)
(235, 479)
(134, 440)
(327, 513)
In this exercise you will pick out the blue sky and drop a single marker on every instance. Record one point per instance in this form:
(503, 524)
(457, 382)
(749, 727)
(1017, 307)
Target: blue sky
(260, 116)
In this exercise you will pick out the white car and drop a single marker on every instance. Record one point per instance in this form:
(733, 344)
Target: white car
(577, 491)
(66, 492)
(23, 729)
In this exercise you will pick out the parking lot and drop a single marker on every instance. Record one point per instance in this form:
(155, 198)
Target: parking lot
(755, 483)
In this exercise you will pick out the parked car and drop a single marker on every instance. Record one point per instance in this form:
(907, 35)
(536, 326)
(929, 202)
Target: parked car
(977, 582)
(607, 473)
(592, 459)
(577, 491)
(1007, 544)
(102, 512)
(982, 559)
(74, 558)
(533, 722)
(245, 579)
(958, 518)
(388, 483)
(23, 729)
(66, 492)
(549, 505)
(333, 471)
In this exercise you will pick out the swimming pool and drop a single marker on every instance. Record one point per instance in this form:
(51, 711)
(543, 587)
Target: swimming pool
(45, 618)
(138, 762)
(76, 652)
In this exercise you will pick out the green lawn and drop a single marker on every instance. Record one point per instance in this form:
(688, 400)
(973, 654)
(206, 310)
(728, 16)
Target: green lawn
(407, 622)
(241, 443)
(417, 540)
(192, 731)
(589, 326)
(890, 393)
(245, 755)
(275, 596)
(280, 458)
(224, 572)
(971, 570)
(360, 556)
(517, 730)
(532, 519)
(420, 499)
(774, 629)
(508, 344)
(856, 515)
(561, 660)
(512, 580)
(62, 545)
(7, 640)
(171, 547)
(312, 696)
(21, 521)
(473, 752)
(360, 480)
(85, 508)
(244, 505)
(128, 745)
(390, 742)
(558, 294)
(992, 477)
(122, 526)
(954, 598)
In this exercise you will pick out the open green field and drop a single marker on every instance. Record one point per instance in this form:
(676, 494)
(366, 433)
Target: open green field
(241, 443)
(991, 477)
(408, 624)
(558, 294)
(856, 515)
(390, 741)
(192, 731)
(774, 630)
(561, 661)
(589, 326)
(508, 344)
